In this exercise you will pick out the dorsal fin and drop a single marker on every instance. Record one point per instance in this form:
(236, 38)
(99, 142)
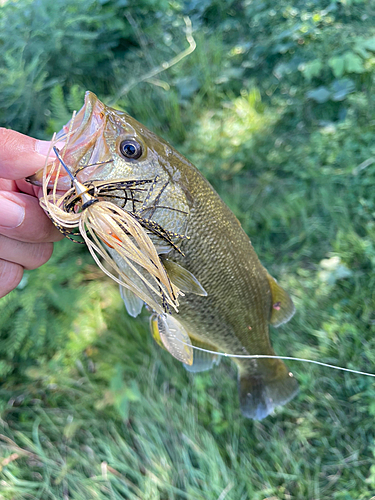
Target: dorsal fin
(282, 308)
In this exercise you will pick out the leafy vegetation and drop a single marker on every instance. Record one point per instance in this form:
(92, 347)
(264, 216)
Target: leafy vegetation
(276, 107)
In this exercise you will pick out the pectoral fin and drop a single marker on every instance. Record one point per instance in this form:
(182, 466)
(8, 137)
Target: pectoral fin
(169, 332)
(133, 304)
(183, 279)
(282, 308)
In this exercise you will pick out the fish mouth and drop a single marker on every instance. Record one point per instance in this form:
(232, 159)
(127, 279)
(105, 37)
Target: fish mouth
(85, 147)
(86, 121)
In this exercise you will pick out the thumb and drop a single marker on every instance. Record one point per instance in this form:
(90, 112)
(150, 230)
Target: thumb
(20, 155)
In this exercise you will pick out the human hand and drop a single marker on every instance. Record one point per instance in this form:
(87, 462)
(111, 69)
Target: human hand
(26, 233)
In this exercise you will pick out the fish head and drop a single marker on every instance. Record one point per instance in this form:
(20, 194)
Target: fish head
(105, 144)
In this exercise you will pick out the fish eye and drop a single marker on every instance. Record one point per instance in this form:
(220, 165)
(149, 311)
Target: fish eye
(129, 148)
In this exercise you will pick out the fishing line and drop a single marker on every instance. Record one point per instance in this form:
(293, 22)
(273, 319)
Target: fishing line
(288, 358)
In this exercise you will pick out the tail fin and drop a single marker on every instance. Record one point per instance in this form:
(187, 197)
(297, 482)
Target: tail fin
(260, 392)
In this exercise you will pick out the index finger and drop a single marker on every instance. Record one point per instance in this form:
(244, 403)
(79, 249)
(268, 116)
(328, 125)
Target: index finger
(20, 155)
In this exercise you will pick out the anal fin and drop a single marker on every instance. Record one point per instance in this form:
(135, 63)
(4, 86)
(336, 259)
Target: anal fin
(202, 360)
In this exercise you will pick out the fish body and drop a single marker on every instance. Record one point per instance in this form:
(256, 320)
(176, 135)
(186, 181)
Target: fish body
(237, 299)
(235, 315)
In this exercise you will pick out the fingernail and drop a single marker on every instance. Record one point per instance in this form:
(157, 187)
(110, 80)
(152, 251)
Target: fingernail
(11, 214)
(45, 147)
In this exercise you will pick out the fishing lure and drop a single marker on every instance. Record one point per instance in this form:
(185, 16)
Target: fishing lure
(104, 226)
(171, 335)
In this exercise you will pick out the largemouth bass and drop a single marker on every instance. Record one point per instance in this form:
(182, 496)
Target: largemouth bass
(228, 298)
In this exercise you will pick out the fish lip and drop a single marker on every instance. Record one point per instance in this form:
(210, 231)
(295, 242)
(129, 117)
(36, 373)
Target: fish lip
(89, 116)
(92, 108)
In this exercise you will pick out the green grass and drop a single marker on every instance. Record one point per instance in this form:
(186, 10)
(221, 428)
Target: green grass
(90, 407)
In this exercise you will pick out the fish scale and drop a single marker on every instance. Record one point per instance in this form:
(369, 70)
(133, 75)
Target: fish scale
(216, 265)
(229, 299)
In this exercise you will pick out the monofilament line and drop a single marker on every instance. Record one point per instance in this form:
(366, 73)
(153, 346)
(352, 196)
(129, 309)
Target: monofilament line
(288, 358)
